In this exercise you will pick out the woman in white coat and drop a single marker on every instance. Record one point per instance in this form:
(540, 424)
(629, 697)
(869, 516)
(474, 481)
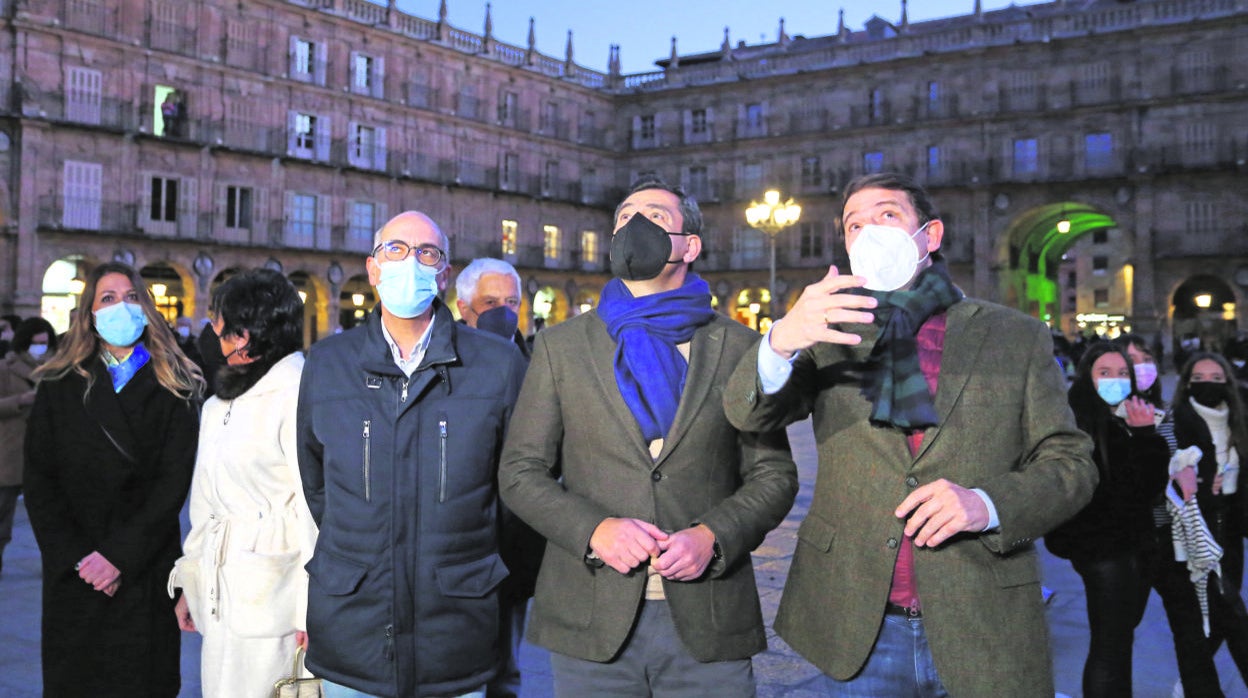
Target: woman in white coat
(241, 574)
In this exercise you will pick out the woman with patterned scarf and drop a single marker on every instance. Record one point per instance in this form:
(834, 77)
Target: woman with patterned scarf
(110, 447)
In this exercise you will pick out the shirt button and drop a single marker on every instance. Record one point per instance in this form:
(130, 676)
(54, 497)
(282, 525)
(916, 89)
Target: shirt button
(912, 481)
(656, 476)
(892, 542)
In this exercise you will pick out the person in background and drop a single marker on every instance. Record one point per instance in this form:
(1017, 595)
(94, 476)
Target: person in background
(8, 325)
(1208, 414)
(1111, 541)
(488, 298)
(34, 341)
(187, 342)
(110, 449)
(241, 574)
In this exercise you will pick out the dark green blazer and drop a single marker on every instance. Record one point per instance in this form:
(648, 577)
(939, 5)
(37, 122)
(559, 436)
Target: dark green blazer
(571, 423)
(1004, 427)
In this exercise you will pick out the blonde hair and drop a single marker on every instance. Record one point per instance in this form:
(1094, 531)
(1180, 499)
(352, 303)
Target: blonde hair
(80, 345)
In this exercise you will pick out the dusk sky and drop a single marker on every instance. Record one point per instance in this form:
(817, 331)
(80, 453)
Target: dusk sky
(644, 28)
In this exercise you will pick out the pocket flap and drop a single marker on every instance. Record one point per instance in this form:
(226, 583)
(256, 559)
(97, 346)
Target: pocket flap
(1018, 569)
(472, 579)
(817, 532)
(336, 575)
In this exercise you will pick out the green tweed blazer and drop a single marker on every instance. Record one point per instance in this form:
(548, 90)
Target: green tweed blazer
(1004, 427)
(574, 456)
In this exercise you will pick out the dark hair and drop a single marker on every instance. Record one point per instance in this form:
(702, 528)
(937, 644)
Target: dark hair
(1153, 394)
(1093, 415)
(265, 304)
(894, 181)
(26, 331)
(13, 320)
(1235, 420)
(689, 211)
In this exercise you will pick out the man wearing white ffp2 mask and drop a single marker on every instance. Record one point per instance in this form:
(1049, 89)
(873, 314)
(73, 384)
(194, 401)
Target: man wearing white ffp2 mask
(886, 255)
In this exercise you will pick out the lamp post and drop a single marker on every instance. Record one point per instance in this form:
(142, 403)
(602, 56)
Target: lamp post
(771, 217)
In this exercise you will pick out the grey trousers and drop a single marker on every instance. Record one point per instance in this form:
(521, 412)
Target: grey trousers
(654, 662)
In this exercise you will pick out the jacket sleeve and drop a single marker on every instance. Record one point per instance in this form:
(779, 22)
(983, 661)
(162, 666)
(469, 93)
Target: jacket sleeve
(768, 487)
(1149, 454)
(748, 408)
(530, 469)
(308, 450)
(185, 573)
(305, 528)
(133, 546)
(1056, 476)
(62, 542)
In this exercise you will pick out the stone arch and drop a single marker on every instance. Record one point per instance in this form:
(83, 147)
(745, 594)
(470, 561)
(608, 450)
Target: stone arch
(60, 289)
(1031, 251)
(180, 296)
(1203, 307)
(314, 291)
(352, 313)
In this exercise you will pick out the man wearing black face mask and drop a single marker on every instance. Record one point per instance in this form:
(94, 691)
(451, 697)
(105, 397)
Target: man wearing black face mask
(488, 293)
(649, 500)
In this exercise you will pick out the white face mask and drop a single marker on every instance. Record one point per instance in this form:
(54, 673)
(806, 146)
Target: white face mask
(886, 256)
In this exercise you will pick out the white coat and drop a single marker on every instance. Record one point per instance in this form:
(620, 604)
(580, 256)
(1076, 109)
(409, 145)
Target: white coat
(251, 534)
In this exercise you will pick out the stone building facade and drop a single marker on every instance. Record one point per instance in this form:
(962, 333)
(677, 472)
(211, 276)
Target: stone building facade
(195, 137)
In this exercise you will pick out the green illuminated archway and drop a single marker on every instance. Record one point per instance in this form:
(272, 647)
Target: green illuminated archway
(1037, 241)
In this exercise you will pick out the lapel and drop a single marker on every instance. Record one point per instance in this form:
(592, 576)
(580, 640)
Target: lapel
(104, 406)
(963, 342)
(705, 350)
(602, 365)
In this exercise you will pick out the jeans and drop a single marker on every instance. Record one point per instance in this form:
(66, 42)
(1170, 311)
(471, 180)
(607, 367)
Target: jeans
(333, 690)
(1117, 591)
(900, 664)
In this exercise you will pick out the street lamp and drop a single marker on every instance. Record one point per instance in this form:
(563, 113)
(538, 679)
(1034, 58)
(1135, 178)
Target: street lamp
(771, 217)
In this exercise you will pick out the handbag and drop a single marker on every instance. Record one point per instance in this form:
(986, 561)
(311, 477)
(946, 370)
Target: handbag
(295, 687)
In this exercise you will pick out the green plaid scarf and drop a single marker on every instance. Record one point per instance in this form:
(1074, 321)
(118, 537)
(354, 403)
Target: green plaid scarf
(896, 386)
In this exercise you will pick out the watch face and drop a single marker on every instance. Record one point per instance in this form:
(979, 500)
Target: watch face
(1241, 276)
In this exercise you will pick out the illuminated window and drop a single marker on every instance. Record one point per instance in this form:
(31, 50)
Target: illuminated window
(550, 242)
(509, 237)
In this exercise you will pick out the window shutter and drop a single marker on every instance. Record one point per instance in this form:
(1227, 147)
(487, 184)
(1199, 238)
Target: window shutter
(741, 123)
(636, 132)
(379, 77)
(291, 137)
(145, 201)
(220, 207)
(323, 138)
(379, 157)
(318, 70)
(292, 61)
(352, 85)
(323, 241)
(354, 155)
(710, 124)
(188, 207)
(688, 125)
(260, 222)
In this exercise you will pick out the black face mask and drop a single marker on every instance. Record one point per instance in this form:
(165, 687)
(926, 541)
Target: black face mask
(1207, 394)
(501, 321)
(640, 250)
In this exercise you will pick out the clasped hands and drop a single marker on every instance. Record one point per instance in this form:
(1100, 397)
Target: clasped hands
(623, 544)
(101, 574)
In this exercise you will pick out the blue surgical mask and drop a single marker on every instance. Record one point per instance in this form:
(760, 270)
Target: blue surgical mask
(1113, 390)
(407, 287)
(120, 324)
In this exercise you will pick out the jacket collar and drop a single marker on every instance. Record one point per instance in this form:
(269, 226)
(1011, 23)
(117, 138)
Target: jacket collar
(441, 350)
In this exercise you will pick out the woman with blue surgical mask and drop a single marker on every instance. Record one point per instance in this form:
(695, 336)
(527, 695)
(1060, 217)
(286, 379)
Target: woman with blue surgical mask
(110, 448)
(1111, 540)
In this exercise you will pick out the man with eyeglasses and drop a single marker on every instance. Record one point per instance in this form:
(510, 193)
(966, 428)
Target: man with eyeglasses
(649, 500)
(399, 428)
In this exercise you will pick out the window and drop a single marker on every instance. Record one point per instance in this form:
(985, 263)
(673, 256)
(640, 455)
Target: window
(697, 126)
(1025, 157)
(469, 105)
(1100, 237)
(591, 190)
(875, 110)
(81, 185)
(934, 170)
(697, 122)
(1100, 297)
(301, 221)
(367, 74)
(1100, 265)
(82, 95)
(697, 182)
(749, 247)
(1098, 151)
(164, 200)
(307, 60)
(550, 177)
(812, 175)
(238, 207)
(589, 248)
(309, 136)
(755, 119)
(508, 105)
(1200, 217)
(509, 237)
(872, 162)
(1198, 141)
(810, 240)
(550, 243)
(933, 99)
(549, 118)
(366, 146)
(362, 225)
(1195, 71)
(1093, 83)
(751, 179)
(647, 128)
(509, 171)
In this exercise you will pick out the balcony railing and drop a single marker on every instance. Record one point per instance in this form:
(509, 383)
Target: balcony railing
(90, 17)
(60, 212)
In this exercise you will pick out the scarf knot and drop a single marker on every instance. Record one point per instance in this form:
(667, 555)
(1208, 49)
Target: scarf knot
(649, 370)
(896, 386)
(122, 371)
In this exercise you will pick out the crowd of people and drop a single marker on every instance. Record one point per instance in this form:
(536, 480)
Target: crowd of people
(385, 505)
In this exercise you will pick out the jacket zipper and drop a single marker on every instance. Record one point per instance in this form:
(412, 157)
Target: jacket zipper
(389, 642)
(442, 458)
(403, 395)
(368, 489)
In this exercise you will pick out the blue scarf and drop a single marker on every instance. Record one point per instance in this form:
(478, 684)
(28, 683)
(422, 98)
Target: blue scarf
(122, 371)
(649, 369)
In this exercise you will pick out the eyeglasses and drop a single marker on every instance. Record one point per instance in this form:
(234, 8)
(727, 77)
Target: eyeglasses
(397, 251)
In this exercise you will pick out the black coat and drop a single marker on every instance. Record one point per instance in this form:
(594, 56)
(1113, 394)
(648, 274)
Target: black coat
(83, 494)
(401, 477)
